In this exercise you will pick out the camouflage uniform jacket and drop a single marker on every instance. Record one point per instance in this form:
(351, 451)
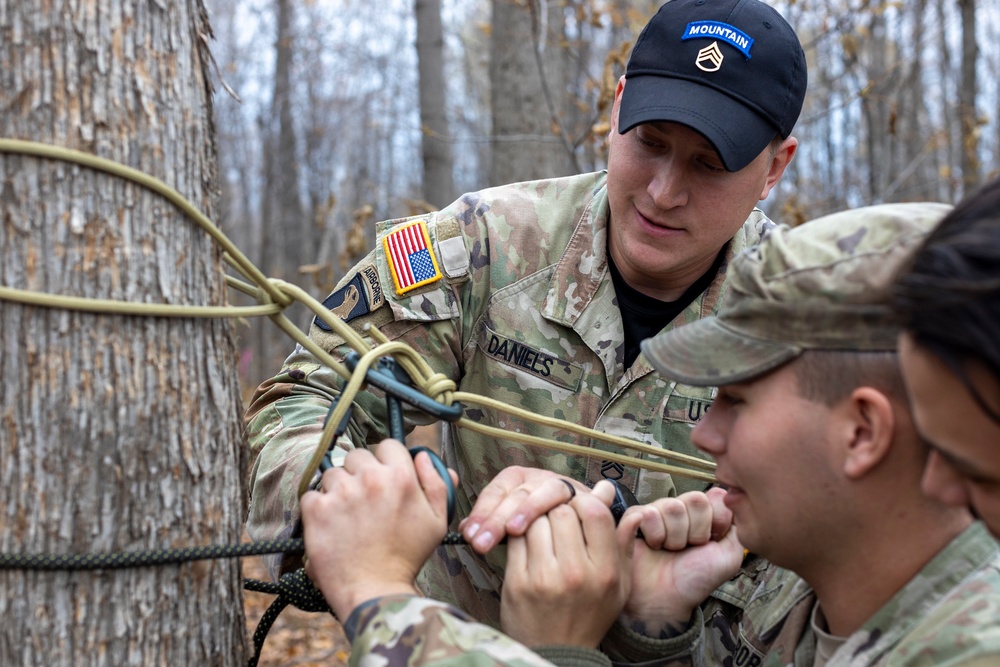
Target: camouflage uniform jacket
(946, 615)
(525, 312)
(408, 631)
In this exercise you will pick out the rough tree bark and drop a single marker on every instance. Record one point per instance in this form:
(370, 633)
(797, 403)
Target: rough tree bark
(116, 433)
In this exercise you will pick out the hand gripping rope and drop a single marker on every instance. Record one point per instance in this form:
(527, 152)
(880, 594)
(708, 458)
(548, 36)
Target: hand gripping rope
(394, 367)
(395, 382)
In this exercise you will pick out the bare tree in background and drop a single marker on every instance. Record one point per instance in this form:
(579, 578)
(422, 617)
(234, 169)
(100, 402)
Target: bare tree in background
(286, 234)
(439, 184)
(968, 92)
(527, 77)
(118, 433)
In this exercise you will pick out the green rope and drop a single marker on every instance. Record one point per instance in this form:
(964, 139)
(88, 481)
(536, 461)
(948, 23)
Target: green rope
(240, 261)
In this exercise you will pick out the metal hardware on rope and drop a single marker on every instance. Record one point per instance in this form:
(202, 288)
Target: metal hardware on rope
(391, 378)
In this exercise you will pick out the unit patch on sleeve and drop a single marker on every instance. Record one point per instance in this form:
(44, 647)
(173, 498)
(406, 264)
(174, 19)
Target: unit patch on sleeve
(411, 259)
(360, 296)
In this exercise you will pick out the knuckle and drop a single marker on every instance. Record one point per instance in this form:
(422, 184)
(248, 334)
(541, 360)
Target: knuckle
(562, 511)
(697, 499)
(575, 578)
(674, 510)
(595, 511)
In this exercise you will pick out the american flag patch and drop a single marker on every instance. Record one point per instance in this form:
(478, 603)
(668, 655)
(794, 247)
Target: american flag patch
(411, 260)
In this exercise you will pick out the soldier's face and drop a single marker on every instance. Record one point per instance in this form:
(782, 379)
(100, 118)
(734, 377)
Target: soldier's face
(963, 468)
(773, 450)
(673, 205)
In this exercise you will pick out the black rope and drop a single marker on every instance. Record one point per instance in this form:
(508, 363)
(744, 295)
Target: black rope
(115, 560)
(293, 588)
(128, 559)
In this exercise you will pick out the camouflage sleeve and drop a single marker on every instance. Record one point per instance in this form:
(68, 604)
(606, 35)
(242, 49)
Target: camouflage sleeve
(626, 646)
(408, 631)
(285, 419)
(714, 636)
(991, 660)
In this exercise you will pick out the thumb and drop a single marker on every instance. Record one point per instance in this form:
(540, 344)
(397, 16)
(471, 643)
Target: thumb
(722, 516)
(732, 549)
(604, 491)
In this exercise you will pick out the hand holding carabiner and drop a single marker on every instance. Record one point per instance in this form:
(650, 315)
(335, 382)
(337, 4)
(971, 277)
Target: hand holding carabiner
(373, 523)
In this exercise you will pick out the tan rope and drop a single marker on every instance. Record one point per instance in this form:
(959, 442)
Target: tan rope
(276, 295)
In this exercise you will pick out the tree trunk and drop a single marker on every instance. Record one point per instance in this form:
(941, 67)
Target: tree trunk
(946, 74)
(911, 178)
(439, 184)
(527, 93)
(289, 240)
(967, 99)
(116, 432)
(875, 107)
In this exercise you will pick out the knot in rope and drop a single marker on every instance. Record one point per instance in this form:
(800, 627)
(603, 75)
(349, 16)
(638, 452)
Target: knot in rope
(438, 386)
(293, 588)
(298, 590)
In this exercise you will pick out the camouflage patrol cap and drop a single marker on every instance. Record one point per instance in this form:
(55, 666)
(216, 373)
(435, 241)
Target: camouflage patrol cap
(820, 286)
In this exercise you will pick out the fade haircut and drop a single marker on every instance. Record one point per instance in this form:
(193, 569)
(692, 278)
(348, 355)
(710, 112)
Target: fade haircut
(829, 376)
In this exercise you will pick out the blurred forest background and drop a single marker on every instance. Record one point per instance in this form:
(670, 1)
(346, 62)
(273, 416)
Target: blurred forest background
(334, 114)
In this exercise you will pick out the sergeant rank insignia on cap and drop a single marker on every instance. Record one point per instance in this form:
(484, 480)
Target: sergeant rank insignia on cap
(411, 260)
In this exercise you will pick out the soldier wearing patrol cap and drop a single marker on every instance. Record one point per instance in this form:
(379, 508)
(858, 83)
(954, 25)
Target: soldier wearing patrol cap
(538, 294)
(816, 446)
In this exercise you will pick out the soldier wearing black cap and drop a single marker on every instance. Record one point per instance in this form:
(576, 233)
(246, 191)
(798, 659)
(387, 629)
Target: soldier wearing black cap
(733, 71)
(539, 294)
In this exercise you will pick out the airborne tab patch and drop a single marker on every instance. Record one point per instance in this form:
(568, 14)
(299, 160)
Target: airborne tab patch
(411, 259)
(358, 297)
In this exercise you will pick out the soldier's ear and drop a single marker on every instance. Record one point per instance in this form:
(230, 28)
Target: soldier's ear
(620, 86)
(872, 424)
(780, 159)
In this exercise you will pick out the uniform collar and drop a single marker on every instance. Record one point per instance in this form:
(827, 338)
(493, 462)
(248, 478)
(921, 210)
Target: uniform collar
(965, 555)
(580, 273)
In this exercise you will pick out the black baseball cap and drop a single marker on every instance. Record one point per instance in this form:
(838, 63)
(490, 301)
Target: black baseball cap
(732, 70)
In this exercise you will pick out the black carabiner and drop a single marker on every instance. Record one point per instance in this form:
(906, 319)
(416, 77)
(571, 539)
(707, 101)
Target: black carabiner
(395, 381)
(392, 378)
(442, 470)
(327, 462)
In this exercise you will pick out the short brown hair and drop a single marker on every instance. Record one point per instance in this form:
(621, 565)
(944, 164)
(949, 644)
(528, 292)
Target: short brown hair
(829, 376)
